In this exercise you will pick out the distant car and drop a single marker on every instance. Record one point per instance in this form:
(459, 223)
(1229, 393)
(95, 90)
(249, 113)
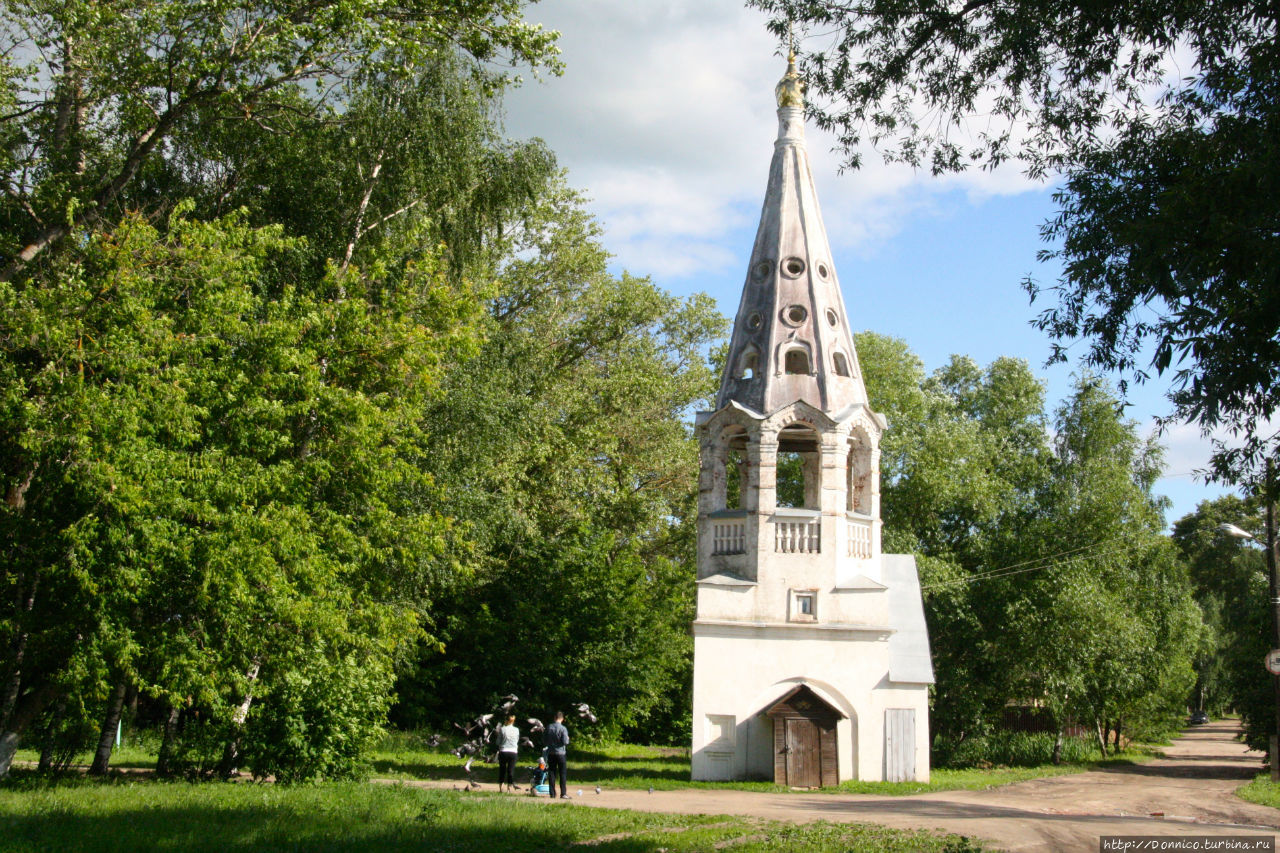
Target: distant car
(1199, 718)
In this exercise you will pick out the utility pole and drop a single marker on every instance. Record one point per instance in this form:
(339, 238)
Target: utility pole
(1269, 496)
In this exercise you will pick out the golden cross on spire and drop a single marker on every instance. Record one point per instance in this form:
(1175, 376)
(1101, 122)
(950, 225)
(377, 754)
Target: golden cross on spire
(790, 89)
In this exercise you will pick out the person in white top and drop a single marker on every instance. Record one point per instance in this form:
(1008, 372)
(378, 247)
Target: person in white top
(508, 744)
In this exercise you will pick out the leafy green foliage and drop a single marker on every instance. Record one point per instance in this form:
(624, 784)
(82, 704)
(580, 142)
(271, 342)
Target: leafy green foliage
(564, 450)
(113, 83)
(1167, 214)
(223, 485)
(1017, 749)
(1048, 78)
(405, 164)
(1231, 587)
(1178, 219)
(1047, 581)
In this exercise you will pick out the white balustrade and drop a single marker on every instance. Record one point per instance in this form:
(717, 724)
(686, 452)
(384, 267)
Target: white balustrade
(859, 536)
(802, 536)
(728, 536)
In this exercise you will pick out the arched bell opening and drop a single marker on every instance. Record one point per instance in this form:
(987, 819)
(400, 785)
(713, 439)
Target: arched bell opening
(859, 485)
(736, 481)
(798, 468)
(732, 482)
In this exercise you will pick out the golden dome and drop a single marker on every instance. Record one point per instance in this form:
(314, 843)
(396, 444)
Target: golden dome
(790, 89)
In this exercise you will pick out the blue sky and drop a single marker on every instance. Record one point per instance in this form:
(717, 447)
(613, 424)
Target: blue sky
(665, 118)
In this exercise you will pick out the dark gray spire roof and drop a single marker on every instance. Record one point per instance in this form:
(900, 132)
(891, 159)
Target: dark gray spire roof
(791, 339)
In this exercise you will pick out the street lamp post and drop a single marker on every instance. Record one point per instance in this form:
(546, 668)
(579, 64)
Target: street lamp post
(1274, 596)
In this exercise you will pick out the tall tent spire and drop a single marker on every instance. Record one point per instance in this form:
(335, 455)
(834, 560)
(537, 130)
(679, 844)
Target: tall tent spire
(791, 339)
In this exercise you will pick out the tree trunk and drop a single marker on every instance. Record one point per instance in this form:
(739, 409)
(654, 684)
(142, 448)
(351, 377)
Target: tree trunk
(164, 761)
(131, 705)
(107, 739)
(1057, 748)
(13, 684)
(1115, 750)
(230, 764)
(27, 709)
(1100, 731)
(8, 746)
(50, 742)
(360, 211)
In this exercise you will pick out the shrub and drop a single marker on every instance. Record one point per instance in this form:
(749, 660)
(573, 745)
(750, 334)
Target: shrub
(319, 722)
(1012, 749)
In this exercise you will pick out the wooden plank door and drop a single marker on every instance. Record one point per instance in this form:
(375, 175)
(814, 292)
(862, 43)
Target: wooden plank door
(804, 767)
(900, 745)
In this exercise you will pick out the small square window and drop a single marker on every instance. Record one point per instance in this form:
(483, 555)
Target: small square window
(804, 605)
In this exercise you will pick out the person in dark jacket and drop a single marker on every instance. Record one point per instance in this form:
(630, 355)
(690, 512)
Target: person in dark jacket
(555, 739)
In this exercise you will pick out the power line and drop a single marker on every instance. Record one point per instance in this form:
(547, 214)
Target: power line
(1098, 544)
(1035, 565)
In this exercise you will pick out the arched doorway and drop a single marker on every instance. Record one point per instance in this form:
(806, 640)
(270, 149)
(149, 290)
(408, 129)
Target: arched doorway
(805, 753)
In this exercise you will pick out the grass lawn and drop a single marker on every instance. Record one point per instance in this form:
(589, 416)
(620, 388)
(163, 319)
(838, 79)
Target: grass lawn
(80, 815)
(1262, 791)
(404, 755)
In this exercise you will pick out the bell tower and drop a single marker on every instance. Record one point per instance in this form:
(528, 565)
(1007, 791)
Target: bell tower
(793, 590)
(797, 439)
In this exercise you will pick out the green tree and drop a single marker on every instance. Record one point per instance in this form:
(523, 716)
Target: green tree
(225, 491)
(1047, 581)
(964, 459)
(1231, 586)
(1102, 625)
(563, 446)
(403, 163)
(112, 83)
(1169, 201)
(213, 439)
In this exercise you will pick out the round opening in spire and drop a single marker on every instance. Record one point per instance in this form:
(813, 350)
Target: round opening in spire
(753, 321)
(793, 267)
(823, 272)
(832, 318)
(761, 270)
(794, 315)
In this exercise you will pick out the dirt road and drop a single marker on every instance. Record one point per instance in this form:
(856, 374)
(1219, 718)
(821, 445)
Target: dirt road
(1189, 793)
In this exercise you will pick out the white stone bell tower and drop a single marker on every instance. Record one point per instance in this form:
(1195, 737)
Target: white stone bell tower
(811, 658)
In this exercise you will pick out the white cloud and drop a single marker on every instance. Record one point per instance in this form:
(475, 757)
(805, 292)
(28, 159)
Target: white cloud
(1187, 450)
(665, 115)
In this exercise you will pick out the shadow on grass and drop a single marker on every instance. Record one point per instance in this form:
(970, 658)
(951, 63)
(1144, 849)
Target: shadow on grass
(243, 829)
(87, 816)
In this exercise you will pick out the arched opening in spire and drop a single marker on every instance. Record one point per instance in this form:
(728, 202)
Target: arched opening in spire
(841, 364)
(748, 363)
(798, 468)
(795, 361)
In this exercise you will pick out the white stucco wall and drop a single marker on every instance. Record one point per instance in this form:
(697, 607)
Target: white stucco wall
(741, 670)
